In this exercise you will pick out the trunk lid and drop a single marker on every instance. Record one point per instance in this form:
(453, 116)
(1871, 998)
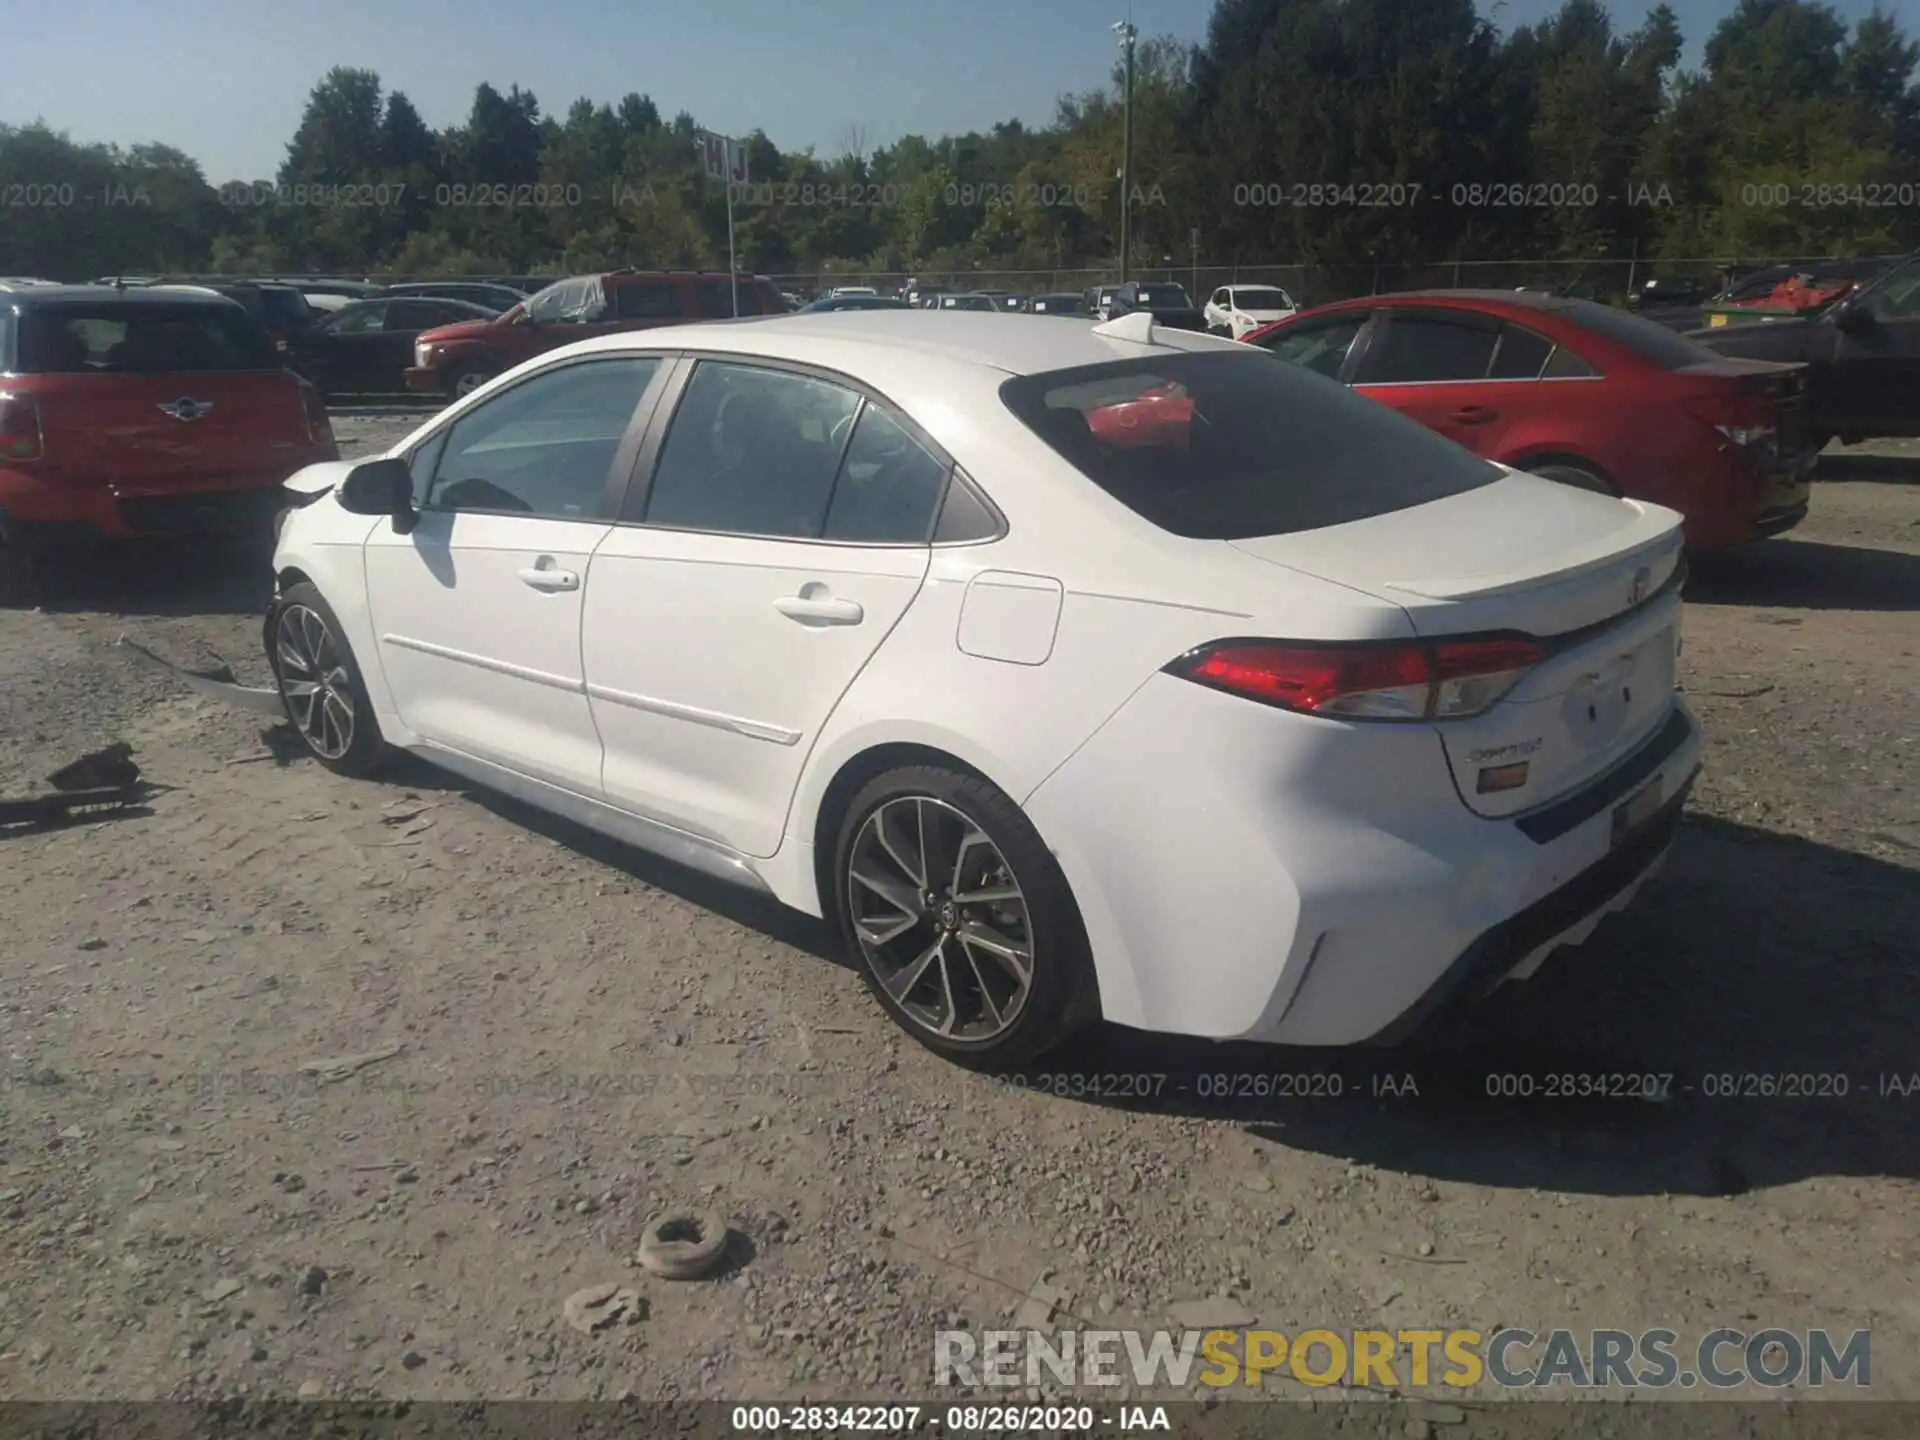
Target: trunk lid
(134, 431)
(1588, 576)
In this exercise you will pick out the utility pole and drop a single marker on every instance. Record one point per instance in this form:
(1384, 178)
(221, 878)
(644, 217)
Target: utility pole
(1127, 33)
(1196, 263)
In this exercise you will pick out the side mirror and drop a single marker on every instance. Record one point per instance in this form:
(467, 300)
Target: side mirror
(1854, 319)
(380, 487)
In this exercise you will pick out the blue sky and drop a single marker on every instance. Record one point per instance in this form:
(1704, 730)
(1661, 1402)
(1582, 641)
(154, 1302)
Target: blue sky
(225, 80)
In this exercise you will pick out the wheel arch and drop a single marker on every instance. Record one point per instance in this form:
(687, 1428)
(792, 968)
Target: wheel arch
(852, 774)
(877, 759)
(1531, 459)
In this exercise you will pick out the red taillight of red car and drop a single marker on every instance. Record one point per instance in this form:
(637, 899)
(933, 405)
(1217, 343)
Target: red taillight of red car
(314, 406)
(21, 437)
(1743, 416)
(1415, 680)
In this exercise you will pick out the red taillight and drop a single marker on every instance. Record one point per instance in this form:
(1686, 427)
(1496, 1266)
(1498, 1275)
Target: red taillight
(1742, 416)
(314, 406)
(21, 437)
(1418, 680)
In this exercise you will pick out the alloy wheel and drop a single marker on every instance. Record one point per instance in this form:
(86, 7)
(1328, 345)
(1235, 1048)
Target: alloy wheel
(315, 681)
(941, 919)
(469, 381)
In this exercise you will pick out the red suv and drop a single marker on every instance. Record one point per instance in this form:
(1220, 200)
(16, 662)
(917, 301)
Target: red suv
(141, 412)
(1578, 392)
(457, 358)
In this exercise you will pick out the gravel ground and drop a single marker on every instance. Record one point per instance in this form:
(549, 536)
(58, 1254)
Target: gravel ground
(198, 1198)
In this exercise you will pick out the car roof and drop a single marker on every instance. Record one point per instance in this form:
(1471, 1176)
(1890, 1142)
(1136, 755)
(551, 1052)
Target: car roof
(131, 295)
(873, 342)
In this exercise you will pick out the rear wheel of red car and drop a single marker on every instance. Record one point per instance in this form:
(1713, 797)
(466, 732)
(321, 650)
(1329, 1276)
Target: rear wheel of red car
(466, 379)
(320, 685)
(1577, 476)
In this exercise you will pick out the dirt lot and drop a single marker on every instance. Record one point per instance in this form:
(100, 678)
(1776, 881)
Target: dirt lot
(575, 1036)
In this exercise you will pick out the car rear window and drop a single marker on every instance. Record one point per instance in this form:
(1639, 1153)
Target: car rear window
(1222, 446)
(1169, 295)
(106, 337)
(1649, 339)
(285, 309)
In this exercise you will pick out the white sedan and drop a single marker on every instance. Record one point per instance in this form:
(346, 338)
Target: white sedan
(1236, 310)
(1071, 672)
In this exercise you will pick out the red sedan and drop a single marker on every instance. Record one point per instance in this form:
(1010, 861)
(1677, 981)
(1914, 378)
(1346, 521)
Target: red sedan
(1579, 392)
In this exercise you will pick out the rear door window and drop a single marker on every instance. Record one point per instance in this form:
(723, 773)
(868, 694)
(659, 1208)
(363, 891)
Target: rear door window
(1522, 354)
(715, 299)
(1416, 349)
(415, 315)
(1220, 446)
(1318, 345)
(647, 300)
(108, 337)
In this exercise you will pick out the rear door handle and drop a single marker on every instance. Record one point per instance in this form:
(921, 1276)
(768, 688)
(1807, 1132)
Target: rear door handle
(549, 577)
(820, 608)
(1474, 415)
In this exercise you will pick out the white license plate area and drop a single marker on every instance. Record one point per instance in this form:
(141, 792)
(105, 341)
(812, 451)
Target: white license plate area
(1639, 808)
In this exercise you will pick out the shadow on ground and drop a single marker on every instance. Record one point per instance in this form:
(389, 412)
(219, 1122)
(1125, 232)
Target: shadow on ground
(1878, 469)
(1762, 981)
(1808, 574)
(223, 576)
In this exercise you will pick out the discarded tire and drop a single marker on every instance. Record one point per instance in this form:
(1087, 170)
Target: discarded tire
(684, 1244)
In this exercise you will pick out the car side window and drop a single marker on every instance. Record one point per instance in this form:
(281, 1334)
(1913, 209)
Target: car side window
(1223, 299)
(1425, 348)
(1897, 297)
(1320, 346)
(1565, 365)
(647, 300)
(889, 484)
(550, 303)
(714, 299)
(414, 315)
(1522, 354)
(361, 322)
(544, 447)
(751, 451)
(420, 465)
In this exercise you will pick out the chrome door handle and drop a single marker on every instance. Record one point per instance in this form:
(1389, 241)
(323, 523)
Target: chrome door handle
(545, 577)
(1474, 415)
(828, 612)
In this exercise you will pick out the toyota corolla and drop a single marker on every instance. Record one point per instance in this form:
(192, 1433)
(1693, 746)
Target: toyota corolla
(1070, 672)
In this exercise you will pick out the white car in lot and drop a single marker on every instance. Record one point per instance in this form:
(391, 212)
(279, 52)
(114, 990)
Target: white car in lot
(1070, 672)
(1233, 310)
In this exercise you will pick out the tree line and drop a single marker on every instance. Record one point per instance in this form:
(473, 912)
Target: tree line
(1298, 132)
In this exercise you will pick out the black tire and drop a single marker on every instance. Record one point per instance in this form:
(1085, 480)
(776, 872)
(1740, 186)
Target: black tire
(465, 379)
(1580, 477)
(1061, 995)
(365, 749)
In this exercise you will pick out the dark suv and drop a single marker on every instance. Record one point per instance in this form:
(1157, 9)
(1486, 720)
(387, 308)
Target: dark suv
(455, 359)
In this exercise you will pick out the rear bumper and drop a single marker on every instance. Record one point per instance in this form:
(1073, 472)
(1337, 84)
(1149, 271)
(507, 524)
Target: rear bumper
(51, 509)
(1244, 873)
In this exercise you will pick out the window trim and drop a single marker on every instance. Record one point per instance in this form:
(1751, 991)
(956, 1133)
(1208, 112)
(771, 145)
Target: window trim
(639, 489)
(1468, 319)
(1356, 347)
(612, 488)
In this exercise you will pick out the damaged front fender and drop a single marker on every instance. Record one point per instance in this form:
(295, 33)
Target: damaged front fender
(215, 681)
